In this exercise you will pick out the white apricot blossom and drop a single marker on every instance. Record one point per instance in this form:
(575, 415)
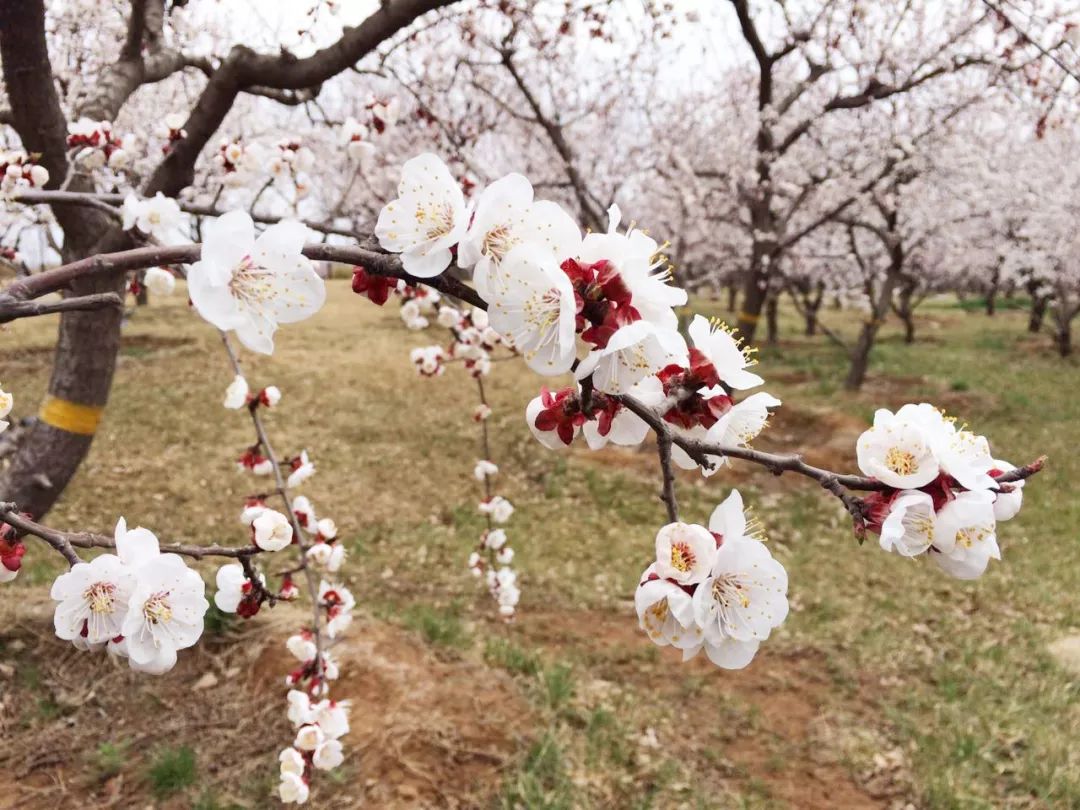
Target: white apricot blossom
(159, 281)
(666, 612)
(507, 216)
(165, 613)
(236, 394)
(230, 581)
(303, 469)
(716, 342)
(685, 553)
(251, 285)
(637, 259)
(535, 309)
(745, 595)
(634, 352)
(910, 527)
(93, 599)
(743, 422)
(272, 531)
(897, 451)
(485, 469)
(498, 508)
(158, 216)
(965, 538)
(293, 789)
(427, 218)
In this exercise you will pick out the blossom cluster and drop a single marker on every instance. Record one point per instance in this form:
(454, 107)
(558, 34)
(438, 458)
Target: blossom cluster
(237, 160)
(137, 604)
(171, 131)
(96, 145)
(602, 307)
(319, 727)
(716, 589)
(943, 498)
(379, 117)
(19, 171)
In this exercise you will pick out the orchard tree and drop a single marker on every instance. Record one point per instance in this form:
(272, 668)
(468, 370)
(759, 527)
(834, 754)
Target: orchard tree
(817, 62)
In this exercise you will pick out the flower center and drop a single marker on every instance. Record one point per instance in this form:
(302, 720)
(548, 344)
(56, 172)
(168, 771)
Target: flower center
(900, 461)
(682, 557)
(251, 284)
(157, 610)
(101, 596)
(968, 536)
(436, 221)
(729, 592)
(497, 242)
(655, 617)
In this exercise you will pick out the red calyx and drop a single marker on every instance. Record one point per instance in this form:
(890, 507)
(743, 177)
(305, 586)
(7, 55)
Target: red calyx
(876, 508)
(562, 413)
(603, 300)
(250, 602)
(376, 288)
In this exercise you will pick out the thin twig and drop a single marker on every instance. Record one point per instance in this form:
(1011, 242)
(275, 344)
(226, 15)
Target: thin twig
(283, 491)
(67, 542)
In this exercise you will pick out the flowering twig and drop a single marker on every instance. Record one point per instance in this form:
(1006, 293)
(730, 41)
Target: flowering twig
(283, 492)
(67, 542)
(58, 278)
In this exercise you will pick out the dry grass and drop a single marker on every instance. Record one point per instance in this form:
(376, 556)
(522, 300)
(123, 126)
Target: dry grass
(888, 684)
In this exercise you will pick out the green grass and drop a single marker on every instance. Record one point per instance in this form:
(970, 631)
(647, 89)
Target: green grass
(172, 770)
(439, 627)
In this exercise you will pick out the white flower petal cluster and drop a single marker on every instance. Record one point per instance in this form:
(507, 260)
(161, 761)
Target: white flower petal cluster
(251, 284)
(19, 172)
(910, 448)
(544, 284)
(142, 604)
(946, 500)
(158, 216)
(319, 729)
(715, 589)
(427, 219)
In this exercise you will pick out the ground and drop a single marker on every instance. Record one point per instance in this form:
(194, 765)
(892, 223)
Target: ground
(889, 685)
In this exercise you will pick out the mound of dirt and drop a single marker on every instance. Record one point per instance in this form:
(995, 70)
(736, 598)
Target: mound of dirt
(784, 692)
(81, 731)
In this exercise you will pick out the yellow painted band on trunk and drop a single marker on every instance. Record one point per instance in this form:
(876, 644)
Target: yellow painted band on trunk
(70, 416)
(746, 317)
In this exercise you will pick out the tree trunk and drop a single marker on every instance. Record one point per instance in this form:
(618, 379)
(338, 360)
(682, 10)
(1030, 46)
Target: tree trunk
(772, 319)
(755, 291)
(906, 312)
(1038, 313)
(991, 294)
(85, 356)
(1064, 338)
(860, 353)
(812, 307)
(732, 296)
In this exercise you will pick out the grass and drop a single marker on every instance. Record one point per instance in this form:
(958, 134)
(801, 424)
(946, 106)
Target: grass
(172, 770)
(878, 655)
